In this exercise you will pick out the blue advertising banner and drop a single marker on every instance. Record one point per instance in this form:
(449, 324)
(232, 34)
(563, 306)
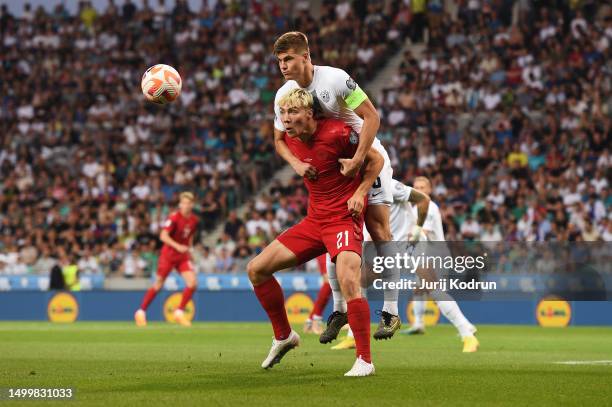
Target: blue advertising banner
(242, 305)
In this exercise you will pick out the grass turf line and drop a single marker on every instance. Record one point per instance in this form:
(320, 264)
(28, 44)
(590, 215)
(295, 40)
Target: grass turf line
(219, 364)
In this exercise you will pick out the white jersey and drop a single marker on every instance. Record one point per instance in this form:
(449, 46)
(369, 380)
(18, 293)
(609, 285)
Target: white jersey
(336, 95)
(403, 216)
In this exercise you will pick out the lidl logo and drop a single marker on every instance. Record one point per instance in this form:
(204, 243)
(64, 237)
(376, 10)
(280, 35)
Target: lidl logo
(172, 303)
(63, 308)
(432, 313)
(298, 306)
(553, 312)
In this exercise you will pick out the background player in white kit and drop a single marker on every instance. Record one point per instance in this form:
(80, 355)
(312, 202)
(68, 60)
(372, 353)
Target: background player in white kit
(432, 231)
(336, 95)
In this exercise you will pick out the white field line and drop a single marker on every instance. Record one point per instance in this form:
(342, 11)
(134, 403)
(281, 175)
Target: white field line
(585, 362)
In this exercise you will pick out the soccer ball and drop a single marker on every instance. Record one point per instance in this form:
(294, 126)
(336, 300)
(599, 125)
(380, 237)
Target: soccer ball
(161, 84)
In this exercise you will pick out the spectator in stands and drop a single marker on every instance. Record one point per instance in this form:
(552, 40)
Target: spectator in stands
(493, 113)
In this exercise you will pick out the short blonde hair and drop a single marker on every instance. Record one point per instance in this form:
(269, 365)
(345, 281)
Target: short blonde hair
(424, 179)
(297, 98)
(187, 195)
(292, 40)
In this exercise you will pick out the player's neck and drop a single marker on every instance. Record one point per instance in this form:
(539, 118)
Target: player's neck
(307, 77)
(185, 214)
(309, 130)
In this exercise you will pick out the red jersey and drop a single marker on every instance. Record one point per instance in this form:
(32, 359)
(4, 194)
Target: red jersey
(329, 193)
(181, 229)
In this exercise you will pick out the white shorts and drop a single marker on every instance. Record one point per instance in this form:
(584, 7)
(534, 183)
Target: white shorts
(381, 193)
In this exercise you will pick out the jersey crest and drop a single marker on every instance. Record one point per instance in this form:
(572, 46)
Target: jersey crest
(325, 95)
(350, 83)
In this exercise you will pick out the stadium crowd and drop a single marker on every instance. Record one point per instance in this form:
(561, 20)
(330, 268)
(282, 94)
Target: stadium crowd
(512, 124)
(89, 171)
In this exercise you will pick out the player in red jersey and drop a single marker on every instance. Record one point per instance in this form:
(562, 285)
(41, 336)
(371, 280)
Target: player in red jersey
(177, 235)
(334, 224)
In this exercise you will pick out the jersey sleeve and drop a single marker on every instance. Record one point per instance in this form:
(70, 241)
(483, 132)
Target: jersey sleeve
(401, 192)
(170, 224)
(347, 89)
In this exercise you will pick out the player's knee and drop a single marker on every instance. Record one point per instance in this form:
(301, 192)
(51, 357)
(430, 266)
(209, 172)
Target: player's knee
(349, 276)
(253, 271)
(351, 289)
(158, 284)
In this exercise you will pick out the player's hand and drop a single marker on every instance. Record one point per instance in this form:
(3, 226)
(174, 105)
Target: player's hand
(415, 234)
(355, 204)
(349, 167)
(305, 170)
(181, 248)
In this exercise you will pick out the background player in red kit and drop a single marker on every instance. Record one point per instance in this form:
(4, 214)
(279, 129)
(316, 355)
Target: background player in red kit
(313, 323)
(334, 224)
(177, 235)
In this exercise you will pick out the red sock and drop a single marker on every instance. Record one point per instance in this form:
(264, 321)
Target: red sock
(322, 261)
(187, 294)
(322, 300)
(271, 298)
(359, 321)
(148, 297)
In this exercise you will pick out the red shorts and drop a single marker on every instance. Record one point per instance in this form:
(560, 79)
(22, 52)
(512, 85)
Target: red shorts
(166, 264)
(309, 238)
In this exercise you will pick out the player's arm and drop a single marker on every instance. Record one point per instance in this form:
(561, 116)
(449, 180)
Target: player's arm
(403, 193)
(373, 165)
(164, 236)
(356, 99)
(371, 123)
(421, 201)
(301, 168)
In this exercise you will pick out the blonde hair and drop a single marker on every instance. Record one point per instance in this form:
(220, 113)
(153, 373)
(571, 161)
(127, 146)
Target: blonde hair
(424, 179)
(294, 40)
(187, 195)
(297, 98)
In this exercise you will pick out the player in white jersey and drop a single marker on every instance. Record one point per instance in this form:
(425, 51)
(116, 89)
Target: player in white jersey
(432, 231)
(336, 95)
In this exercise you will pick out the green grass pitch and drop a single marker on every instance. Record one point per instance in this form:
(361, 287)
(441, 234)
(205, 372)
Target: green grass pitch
(118, 364)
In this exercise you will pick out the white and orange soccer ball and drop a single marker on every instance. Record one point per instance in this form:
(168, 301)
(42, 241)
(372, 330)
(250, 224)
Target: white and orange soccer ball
(161, 84)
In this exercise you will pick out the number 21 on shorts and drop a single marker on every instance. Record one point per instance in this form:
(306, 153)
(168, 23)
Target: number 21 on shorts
(340, 235)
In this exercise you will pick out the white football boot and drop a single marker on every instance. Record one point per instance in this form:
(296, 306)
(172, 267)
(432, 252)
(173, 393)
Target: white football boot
(280, 348)
(361, 368)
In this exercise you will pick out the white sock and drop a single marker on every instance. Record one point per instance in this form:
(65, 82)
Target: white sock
(390, 275)
(418, 310)
(349, 334)
(339, 302)
(390, 307)
(449, 308)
